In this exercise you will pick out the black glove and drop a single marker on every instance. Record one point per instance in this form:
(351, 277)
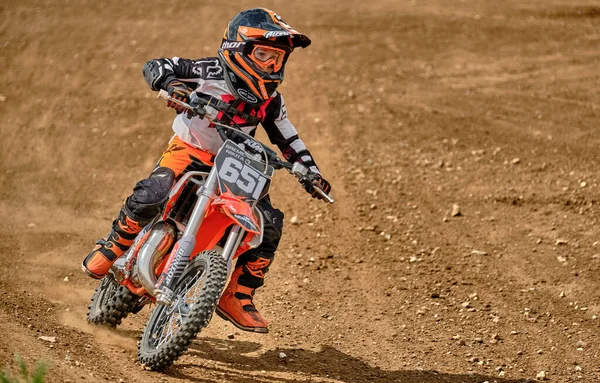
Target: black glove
(179, 91)
(319, 182)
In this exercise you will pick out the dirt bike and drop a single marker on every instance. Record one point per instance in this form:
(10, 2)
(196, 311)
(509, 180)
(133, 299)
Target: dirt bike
(209, 219)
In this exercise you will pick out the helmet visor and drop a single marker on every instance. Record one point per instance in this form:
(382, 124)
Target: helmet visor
(267, 59)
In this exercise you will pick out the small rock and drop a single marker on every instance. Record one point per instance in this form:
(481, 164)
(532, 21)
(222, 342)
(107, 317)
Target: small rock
(466, 304)
(578, 369)
(230, 336)
(478, 252)
(562, 294)
(66, 279)
(561, 259)
(541, 375)
(282, 355)
(294, 220)
(515, 161)
(51, 339)
(2, 98)
(582, 184)
(305, 280)
(581, 344)
(455, 210)
(561, 241)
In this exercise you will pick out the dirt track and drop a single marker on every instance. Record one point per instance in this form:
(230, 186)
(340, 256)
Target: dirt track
(409, 107)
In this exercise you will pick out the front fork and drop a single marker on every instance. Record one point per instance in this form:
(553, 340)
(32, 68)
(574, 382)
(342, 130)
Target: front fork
(182, 250)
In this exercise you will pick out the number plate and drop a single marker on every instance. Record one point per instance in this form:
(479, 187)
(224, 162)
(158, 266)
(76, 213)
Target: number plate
(240, 174)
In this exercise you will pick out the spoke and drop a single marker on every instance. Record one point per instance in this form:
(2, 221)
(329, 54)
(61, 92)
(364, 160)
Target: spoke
(183, 310)
(173, 317)
(165, 333)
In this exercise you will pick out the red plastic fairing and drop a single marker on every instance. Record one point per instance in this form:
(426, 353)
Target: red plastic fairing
(225, 211)
(239, 211)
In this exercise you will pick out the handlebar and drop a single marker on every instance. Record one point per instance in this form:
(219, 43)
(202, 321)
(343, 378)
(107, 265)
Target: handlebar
(304, 175)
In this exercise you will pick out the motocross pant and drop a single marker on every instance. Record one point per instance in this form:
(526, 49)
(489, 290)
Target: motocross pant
(148, 198)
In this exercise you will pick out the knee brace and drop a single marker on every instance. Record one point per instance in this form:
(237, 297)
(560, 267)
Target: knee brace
(150, 194)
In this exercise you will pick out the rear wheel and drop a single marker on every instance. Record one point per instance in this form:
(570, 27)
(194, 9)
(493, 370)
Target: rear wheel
(111, 303)
(171, 329)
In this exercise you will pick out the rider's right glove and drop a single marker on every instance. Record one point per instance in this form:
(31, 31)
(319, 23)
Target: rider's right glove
(319, 182)
(179, 91)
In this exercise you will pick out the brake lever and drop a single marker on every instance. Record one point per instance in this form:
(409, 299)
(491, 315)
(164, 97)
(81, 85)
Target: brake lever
(198, 105)
(303, 175)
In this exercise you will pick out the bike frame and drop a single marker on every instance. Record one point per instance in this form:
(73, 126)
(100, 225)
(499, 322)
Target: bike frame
(211, 215)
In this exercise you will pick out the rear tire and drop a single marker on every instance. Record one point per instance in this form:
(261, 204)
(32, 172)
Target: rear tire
(111, 303)
(195, 298)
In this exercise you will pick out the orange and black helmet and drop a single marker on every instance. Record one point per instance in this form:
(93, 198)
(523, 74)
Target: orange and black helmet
(255, 48)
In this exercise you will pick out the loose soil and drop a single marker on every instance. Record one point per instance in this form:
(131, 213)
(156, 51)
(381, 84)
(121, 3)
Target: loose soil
(409, 107)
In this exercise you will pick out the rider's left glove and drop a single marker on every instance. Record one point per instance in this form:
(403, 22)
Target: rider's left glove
(319, 182)
(179, 91)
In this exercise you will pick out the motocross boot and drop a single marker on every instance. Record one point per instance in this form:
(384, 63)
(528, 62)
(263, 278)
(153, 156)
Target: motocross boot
(107, 250)
(236, 303)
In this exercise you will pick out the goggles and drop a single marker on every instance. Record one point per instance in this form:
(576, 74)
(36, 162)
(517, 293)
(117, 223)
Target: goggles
(265, 57)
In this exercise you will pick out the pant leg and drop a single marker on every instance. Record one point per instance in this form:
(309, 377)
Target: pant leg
(256, 262)
(151, 193)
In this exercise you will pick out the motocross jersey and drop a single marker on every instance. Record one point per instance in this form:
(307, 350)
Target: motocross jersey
(206, 76)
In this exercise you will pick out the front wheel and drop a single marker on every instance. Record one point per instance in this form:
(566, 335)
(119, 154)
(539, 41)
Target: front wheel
(171, 329)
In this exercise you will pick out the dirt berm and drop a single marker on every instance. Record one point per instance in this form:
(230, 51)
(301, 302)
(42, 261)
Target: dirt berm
(461, 139)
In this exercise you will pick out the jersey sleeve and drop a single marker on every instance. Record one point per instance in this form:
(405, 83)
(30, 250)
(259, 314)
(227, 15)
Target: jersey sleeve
(159, 73)
(282, 133)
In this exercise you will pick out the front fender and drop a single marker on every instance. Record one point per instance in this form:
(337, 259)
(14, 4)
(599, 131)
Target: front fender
(225, 211)
(240, 212)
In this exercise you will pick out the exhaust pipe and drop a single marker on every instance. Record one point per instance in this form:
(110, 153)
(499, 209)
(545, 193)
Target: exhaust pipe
(155, 248)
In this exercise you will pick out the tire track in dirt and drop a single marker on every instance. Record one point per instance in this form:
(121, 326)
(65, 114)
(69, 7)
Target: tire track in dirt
(402, 135)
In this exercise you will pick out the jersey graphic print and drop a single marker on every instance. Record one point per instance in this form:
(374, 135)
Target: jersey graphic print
(208, 69)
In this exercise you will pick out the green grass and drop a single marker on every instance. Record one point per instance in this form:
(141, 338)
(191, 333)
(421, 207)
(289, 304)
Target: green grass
(37, 376)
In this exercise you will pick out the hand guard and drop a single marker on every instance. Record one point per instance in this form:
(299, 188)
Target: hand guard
(179, 91)
(319, 182)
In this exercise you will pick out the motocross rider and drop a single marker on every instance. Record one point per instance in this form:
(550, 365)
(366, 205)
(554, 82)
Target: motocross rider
(245, 75)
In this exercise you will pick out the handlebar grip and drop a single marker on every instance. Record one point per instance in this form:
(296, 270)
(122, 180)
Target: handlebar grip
(325, 196)
(164, 94)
